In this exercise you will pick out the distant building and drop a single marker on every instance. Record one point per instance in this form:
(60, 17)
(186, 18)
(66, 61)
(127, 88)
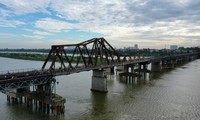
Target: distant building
(136, 46)
(173, 47)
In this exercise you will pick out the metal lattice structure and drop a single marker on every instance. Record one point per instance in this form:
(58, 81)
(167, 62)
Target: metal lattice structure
(23, 82)
(67, 59)
(94, 52)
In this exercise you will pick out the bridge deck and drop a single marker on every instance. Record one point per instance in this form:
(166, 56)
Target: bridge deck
(101, 55)
(33, 74)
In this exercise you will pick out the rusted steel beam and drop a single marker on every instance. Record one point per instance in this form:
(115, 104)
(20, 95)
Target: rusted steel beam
(100, 53)
(47, 59)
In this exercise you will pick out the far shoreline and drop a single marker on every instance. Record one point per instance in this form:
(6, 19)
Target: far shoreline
(24, 56)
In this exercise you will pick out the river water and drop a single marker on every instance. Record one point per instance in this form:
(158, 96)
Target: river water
(169, 95)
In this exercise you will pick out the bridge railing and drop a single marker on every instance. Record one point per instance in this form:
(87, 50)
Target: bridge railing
(16, 71)
(131, 58)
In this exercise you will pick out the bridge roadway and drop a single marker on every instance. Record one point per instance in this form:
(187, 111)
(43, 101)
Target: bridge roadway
(14, 80)
(37, 85)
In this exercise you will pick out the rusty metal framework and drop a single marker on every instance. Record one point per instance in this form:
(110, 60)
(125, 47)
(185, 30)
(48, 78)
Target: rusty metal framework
(23, 82)
(93, 52)
(67, 59)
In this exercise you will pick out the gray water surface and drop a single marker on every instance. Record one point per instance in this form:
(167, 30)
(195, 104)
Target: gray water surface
(170, 95)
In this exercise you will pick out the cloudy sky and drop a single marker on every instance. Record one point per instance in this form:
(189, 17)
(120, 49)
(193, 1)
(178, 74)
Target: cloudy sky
(123, 23)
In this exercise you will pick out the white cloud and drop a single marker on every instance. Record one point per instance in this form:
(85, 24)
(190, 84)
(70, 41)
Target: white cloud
(181, 3)
(6, 35)
(26, 6)
(53, 25)
(10, 23)
(33, 37)
(5, 13)
(129, 20)
(59, 42)
(92, 11)
(41, 33)
(118, 20)
(29, 30)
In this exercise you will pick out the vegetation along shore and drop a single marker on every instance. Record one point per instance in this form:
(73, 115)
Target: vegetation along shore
(24, 56)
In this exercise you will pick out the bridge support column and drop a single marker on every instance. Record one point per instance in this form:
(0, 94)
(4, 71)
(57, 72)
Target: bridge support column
(119, 69)
(110, 71)
(99, 83)
(170, 64)
(126, 68)
(156, 67)
(192, 58)
(187, 58)
(173, 64)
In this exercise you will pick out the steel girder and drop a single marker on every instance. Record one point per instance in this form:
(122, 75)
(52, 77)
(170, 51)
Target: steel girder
(92, 52)
(25, 82)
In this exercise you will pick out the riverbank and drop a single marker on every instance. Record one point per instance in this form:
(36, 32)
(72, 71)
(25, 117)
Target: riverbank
(30, 56)
(25, 56)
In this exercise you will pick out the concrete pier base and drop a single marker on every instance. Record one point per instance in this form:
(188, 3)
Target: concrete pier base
(110, 71)
(119, 69)
(170, 65)
(128, 77)
(156, 67)
(41, 99)
(99, 83)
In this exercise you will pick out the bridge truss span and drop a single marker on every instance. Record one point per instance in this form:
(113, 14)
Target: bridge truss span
(89, 53)
(67, 59)
(24, 82)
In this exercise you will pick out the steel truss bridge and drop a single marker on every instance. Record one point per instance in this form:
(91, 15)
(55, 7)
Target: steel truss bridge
(92, 54)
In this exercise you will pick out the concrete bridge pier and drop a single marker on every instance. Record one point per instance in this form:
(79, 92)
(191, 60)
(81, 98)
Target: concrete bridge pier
(119, 69)
(182, 60)
(190, 58)
(179, 61)
(156, 66)
(145, 70)
(173, 63)
(128, 75)
(170, 64)
(186, 59)
(16, 95)
(110, 71)
(40, 97)
(45, 100)
(164, 64)
(99, 82)
(196, 57)
(129, 68)
(125, 68)
(142, 69)
(193, 58)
